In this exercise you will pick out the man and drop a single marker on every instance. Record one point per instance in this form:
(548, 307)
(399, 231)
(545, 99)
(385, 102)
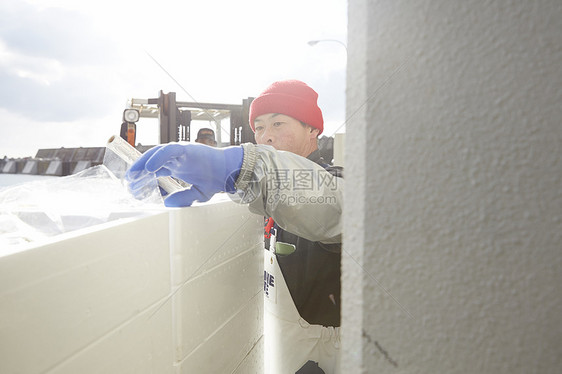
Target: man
(283, 178)
(206, 136)
(287, 117)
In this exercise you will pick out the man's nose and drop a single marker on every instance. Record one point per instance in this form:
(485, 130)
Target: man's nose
(268, 135)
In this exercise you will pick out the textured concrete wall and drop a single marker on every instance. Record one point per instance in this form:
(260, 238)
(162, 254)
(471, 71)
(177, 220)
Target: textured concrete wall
(453, 229)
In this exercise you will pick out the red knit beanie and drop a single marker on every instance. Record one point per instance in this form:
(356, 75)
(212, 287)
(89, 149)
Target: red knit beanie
(292, 98)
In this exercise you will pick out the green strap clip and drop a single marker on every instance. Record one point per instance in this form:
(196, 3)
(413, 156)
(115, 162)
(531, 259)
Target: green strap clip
(284, 248)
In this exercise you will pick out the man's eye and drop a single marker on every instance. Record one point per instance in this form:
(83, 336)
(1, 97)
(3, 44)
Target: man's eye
(259, 128)
(277, 124)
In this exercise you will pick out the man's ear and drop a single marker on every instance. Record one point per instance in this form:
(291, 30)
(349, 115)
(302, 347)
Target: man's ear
(314, 132)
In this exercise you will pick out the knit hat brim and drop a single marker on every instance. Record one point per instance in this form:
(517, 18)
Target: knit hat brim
(302, 109)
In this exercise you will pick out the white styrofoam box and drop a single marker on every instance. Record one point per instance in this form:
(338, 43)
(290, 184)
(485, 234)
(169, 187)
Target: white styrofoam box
(142, 344)
(225, 228)
(61, 299)
(233, 347)
(218, 303)
(178, 291)
(254, 362)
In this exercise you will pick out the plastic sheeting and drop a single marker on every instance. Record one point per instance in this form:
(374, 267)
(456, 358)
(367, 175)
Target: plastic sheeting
(39, 209)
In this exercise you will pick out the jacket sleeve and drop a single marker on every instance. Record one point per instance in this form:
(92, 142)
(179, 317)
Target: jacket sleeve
(301, 196)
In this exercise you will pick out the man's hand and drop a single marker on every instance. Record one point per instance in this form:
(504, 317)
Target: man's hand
(209, 170)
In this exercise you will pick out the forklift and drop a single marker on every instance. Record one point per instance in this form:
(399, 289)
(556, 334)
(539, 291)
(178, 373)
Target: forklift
(175, 118)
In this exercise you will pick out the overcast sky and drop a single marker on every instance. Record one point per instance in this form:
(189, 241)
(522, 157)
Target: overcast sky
(68, 68)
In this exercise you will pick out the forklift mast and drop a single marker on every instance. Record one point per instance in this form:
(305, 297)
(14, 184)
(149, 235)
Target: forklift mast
(175, 117)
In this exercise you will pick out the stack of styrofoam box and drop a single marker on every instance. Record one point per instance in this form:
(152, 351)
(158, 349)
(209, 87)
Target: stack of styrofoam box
(177, 291)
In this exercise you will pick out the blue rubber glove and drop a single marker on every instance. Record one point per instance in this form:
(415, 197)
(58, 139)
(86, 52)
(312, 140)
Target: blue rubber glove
(208, 169)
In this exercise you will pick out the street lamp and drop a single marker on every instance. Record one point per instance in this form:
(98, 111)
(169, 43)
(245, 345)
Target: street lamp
(314, 42)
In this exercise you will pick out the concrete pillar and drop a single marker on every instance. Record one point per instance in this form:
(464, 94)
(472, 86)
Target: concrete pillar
(453, 217)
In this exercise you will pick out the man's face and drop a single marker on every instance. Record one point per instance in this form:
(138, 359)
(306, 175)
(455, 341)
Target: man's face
(208, 141)
(285, 133)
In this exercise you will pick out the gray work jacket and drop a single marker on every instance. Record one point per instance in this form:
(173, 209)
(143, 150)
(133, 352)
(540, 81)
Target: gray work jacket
(300, 195)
